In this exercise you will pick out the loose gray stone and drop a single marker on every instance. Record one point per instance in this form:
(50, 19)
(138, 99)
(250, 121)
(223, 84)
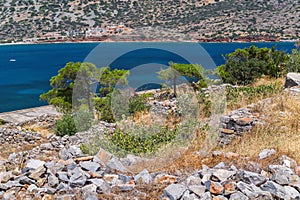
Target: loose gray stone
(115, 164)
(221, 165)
(288, 162)
(280, 178)
(36, 174)
(52, 180)
(222, 174)
(294, 181)
(280, 169)
(78, 178)
(32, 188)
(5, 176)
(251, 177)
(206, 196)
(125, 179)
(54, 167)
(219, 197)
(193, 180)
(90, 166)
(62, 187)
(275, 189)
(71, 166)
(66, 197)
(72, 152)
(251, 190)
(10, 184)
(125, 187)
(63, 176)
(49, 190)
(292, 79)
(91, 188)
(26, 180)
(189, 196)
(46, 146)
(143, 177)
(266, 153)
(104, 156)
(199, 190)
(238, 196)
(34, 164)
(9, 196)
(90, 191)
(174, 191)
(90, 196)
(292, 192)
(102, 186)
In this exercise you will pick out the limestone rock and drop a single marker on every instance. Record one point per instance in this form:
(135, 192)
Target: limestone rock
(90, 166)
(238, 196)
(266, 153)
(143, 177)
(174, 191)
(275, 189)
(292, 79)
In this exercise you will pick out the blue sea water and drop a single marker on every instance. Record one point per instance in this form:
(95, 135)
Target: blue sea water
(22, 81)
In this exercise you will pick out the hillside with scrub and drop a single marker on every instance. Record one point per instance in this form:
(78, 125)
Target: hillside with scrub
(222, 20)
(235, 137)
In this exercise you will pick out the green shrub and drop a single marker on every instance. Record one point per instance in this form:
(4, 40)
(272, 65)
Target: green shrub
(235, 95)
(147, 95)
(65, 126)
(84, 148)
(244, 66)
(103, 108)
(137, 104)
(83, 118)
(121, 106)
(133, 143)
(205, 104)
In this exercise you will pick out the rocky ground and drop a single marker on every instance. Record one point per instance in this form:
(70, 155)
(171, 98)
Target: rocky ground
(45, 166)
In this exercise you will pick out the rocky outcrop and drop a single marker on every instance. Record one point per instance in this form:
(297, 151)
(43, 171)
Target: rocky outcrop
(292, 79)
(236, 124)
(76, 176)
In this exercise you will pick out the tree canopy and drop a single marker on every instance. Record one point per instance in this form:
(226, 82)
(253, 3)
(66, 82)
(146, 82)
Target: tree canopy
(110, 78)
(79, 77)
(175, 70)
(62, 87)
(293, 64)
(243, 66)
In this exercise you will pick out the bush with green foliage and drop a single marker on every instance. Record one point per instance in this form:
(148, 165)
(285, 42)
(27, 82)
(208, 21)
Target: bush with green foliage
(176, 70)
(83, 118)
(293, 65)
(244, 66)
(141, 143)
(62, 85)
(204, 103)
(65, 126)
(235, 95)
(137, 104)
(111, 78)
(111, 109)
(104, 109)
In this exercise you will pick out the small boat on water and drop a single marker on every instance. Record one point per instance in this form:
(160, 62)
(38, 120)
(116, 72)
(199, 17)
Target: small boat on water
(12, 60)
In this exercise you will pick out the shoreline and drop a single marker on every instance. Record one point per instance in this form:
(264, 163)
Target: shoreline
(136, 41)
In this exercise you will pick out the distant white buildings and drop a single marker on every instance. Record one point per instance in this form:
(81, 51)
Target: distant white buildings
(82, 33)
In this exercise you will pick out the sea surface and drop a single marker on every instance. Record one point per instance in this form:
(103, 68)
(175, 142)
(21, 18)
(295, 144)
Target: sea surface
(25, 70)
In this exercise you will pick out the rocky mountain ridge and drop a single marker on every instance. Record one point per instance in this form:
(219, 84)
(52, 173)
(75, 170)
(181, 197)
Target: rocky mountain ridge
(185, 19)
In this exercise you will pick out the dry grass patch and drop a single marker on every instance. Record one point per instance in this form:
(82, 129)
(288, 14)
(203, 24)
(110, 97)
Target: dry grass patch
(265, 80)
(281, 131)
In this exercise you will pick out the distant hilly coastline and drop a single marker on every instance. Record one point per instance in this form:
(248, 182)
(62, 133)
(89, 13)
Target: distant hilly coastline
(207, 20)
